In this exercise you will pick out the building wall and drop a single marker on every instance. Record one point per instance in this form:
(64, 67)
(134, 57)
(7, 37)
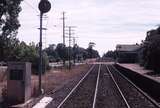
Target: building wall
(127, 57)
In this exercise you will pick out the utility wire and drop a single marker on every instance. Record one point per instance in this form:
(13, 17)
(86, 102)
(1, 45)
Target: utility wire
(52, 1)
(31, 6)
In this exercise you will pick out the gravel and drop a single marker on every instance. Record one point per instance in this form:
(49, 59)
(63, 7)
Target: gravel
(132, 95)
(62, 92)
(83, 96)
(108, 95)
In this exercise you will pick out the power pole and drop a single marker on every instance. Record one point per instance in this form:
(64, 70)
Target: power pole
(69, 50)
(71, 33)
(40, 55)
(74, 49)
(74, 40)
(63, 18)
(63, 28)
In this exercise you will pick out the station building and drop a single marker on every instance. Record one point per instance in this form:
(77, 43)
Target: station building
(126, 53)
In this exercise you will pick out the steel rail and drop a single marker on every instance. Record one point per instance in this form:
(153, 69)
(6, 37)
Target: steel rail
(141, 91)
(128, 106)
(96, 90)
(63, 101)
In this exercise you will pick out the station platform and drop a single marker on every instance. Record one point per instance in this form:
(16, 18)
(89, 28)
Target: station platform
(141, 70)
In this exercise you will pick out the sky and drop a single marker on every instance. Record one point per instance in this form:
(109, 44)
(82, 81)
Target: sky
(104, 22)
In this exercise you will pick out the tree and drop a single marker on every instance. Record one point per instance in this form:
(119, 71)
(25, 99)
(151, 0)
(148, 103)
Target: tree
(9, 24)
(91, 52)
(75, 52)
(111, 54)
(90, 49)
(52, 53)
(150, 50)
(91, 44)
(62, 52)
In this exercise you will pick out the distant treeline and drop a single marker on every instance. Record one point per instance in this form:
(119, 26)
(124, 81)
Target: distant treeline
(110, 54)
(15, 50)
(76, 53)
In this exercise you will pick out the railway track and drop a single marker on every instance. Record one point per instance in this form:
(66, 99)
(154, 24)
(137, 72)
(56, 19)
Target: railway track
(104, 87)
(134, 95)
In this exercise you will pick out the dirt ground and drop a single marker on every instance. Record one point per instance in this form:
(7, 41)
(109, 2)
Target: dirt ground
(55, 78)
(3, 82)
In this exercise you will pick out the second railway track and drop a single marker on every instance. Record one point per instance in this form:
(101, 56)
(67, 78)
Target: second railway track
(103, 87)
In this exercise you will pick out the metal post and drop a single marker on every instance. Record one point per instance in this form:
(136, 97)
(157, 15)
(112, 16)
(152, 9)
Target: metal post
(44, 6)
(40, 54)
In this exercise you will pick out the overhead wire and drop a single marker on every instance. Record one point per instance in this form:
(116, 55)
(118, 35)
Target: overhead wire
(31, 6)
(52, 1)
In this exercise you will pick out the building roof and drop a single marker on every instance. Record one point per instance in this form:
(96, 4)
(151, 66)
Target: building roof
(126, 47)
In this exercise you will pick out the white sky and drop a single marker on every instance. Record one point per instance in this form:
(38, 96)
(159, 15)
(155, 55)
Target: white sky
(105, 22)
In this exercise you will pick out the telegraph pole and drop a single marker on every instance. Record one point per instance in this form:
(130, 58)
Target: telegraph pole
(69, 47)
(63, 27)
(44, 6)
(74, 41)
(40, 54)
(69, 50)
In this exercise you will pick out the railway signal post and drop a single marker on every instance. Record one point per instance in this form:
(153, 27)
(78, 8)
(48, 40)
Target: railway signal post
(44, 7)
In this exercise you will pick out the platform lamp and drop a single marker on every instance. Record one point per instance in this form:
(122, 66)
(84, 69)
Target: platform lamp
(44, 6)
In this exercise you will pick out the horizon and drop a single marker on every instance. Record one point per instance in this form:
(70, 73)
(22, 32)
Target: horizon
(106, 23)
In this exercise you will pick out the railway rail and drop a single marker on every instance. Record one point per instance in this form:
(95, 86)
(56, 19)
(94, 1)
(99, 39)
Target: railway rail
(105, 87)
(134, 95)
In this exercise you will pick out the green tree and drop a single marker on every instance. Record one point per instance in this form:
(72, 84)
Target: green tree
(150, 50)
(62, 52)
(52, 53)
(9, 24)
(91, 52)
(111, 54)
(75, 52)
